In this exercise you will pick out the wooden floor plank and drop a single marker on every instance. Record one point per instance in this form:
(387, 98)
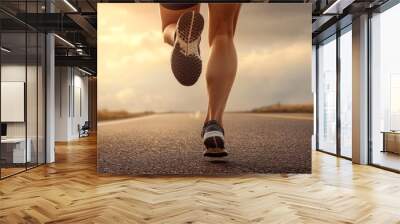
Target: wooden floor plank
(70, 191)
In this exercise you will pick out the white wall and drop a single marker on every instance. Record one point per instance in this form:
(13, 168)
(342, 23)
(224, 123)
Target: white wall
(12, 101)
(80, 109)
(70, 84)
(62, 82)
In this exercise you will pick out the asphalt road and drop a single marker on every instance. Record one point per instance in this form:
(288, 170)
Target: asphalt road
(170, 144)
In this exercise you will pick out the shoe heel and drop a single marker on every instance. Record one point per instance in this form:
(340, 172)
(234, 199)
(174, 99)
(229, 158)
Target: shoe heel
(190, 26)
(214, 142)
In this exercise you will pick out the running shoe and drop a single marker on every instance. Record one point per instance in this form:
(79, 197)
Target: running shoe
(213, 139)
(186, 62)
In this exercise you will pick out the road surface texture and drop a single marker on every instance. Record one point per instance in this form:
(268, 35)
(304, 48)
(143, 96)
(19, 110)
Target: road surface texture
(170, 144)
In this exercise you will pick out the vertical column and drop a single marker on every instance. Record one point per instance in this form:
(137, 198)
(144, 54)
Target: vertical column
(92, 99)
(338, 98)
(50, 92)
(360, 89)
(314, 91)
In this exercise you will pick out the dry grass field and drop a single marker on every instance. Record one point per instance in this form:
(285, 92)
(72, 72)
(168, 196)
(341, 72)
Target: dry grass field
(107, 115)
(285, 108)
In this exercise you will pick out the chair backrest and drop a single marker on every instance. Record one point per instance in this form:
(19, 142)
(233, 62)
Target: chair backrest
(86, 125)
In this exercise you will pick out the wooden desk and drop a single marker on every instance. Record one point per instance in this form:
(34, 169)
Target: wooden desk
(391, 141)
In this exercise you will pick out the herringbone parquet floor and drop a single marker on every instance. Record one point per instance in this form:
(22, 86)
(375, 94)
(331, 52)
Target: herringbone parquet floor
(70, 191)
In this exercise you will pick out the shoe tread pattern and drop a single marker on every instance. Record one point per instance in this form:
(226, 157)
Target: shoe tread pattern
(186, 63)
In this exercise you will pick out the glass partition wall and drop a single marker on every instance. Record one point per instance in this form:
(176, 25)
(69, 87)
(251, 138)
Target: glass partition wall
(346, 95)
(334, 105)
(13, 89)
(385, 89)
(334, 83)
(327, 95)
(22, 98)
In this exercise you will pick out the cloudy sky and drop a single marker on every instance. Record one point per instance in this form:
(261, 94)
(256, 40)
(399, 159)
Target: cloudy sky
(273, 43)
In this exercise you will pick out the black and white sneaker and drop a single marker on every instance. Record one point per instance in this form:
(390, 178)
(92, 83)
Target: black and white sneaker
(213, 139)
(186, 62)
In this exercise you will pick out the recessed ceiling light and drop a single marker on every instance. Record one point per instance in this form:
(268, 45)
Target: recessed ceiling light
(5, 50)
(338, 6)
(84, 71)
(64, 40)
(70, 5)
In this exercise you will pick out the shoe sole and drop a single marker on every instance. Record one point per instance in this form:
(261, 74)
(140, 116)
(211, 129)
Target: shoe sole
(214, 147)
(215, 152)
(187, 68)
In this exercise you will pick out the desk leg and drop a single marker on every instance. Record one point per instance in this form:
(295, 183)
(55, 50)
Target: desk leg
(384, 142)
